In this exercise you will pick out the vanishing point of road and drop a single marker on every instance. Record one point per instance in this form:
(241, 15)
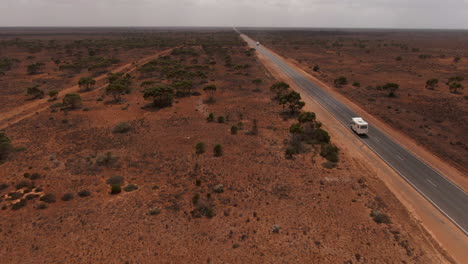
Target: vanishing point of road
(451, 200)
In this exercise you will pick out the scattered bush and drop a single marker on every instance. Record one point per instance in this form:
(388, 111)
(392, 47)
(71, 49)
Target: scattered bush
(34, 92)
(48, 198)
(131, 187)
(340, 81)
(292, 100)
(200, 148)
(432, 83)
(84, 193)
(21, 203)
(234, 130)
(391, 87)
(316, 68)
(210, 117)
(35, 68)
(218, 150)
(329, 152)
(380, 218)
(220, 119)
(67, 197)
(356, 84)
(121, 128)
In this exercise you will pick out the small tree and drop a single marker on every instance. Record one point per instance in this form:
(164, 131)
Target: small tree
(34, 92)
(316, 68)
(86, 83)
(162, 95)
(454, 84)
(200, 148)
(116, 89)
(456, 59)
(218, 150)
(432, 83)
(211, 90)
(279, 89)
(183, 88)
(391, 88)
(339, 82)
(72, 100)
(293, 101)
(5, 146)
(210, 117)
(53, 95)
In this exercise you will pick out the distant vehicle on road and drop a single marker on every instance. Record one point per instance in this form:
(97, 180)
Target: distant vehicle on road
(359, 126)
(258, 43)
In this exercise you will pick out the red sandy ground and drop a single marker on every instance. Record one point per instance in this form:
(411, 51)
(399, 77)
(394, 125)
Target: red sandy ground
(436, 119)
(323, 214)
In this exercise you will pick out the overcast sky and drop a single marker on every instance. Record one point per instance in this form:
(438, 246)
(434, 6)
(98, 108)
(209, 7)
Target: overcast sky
(266, 13)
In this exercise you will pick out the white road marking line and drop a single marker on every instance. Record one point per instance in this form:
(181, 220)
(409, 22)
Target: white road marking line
(431, 182)
(399, 157)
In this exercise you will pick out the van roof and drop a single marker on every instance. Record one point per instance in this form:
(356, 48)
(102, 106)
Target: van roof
(359, 121)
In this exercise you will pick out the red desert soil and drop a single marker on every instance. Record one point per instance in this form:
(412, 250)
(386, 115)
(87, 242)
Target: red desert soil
(435, 118)
(249, 205)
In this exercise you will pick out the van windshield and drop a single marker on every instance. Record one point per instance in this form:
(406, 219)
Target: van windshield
(364, 127)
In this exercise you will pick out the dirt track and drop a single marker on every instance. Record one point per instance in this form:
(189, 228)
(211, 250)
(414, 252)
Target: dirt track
(22, 112)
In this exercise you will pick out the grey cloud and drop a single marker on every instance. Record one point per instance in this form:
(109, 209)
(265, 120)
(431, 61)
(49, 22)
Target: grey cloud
(269, 13)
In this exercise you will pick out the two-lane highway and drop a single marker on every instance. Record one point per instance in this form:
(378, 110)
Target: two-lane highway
(441, 192)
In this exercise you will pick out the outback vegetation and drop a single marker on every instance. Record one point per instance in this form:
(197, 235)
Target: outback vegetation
(179, 140)
(413, 85)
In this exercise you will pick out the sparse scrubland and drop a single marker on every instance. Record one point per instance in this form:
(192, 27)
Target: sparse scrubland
(412, 80)
(199, 154)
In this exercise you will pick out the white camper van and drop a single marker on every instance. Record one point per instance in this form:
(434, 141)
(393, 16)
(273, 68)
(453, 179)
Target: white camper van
(359, 126)
(258, 43)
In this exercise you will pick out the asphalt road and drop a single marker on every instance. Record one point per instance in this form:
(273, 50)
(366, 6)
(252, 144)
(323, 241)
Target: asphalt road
(441, 192)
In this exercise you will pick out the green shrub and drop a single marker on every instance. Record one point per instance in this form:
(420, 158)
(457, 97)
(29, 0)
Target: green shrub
(220, 119)
(340, 81)
(84, 193)
(48, 198)
(121, 128)
(200, 148)
(67, 197)
(356, 84)
(380, 218)
(234, 130)
(21, 203)
(218, 150)
(35, 92)
(115, 189)
(329, 152)
(210, 117)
